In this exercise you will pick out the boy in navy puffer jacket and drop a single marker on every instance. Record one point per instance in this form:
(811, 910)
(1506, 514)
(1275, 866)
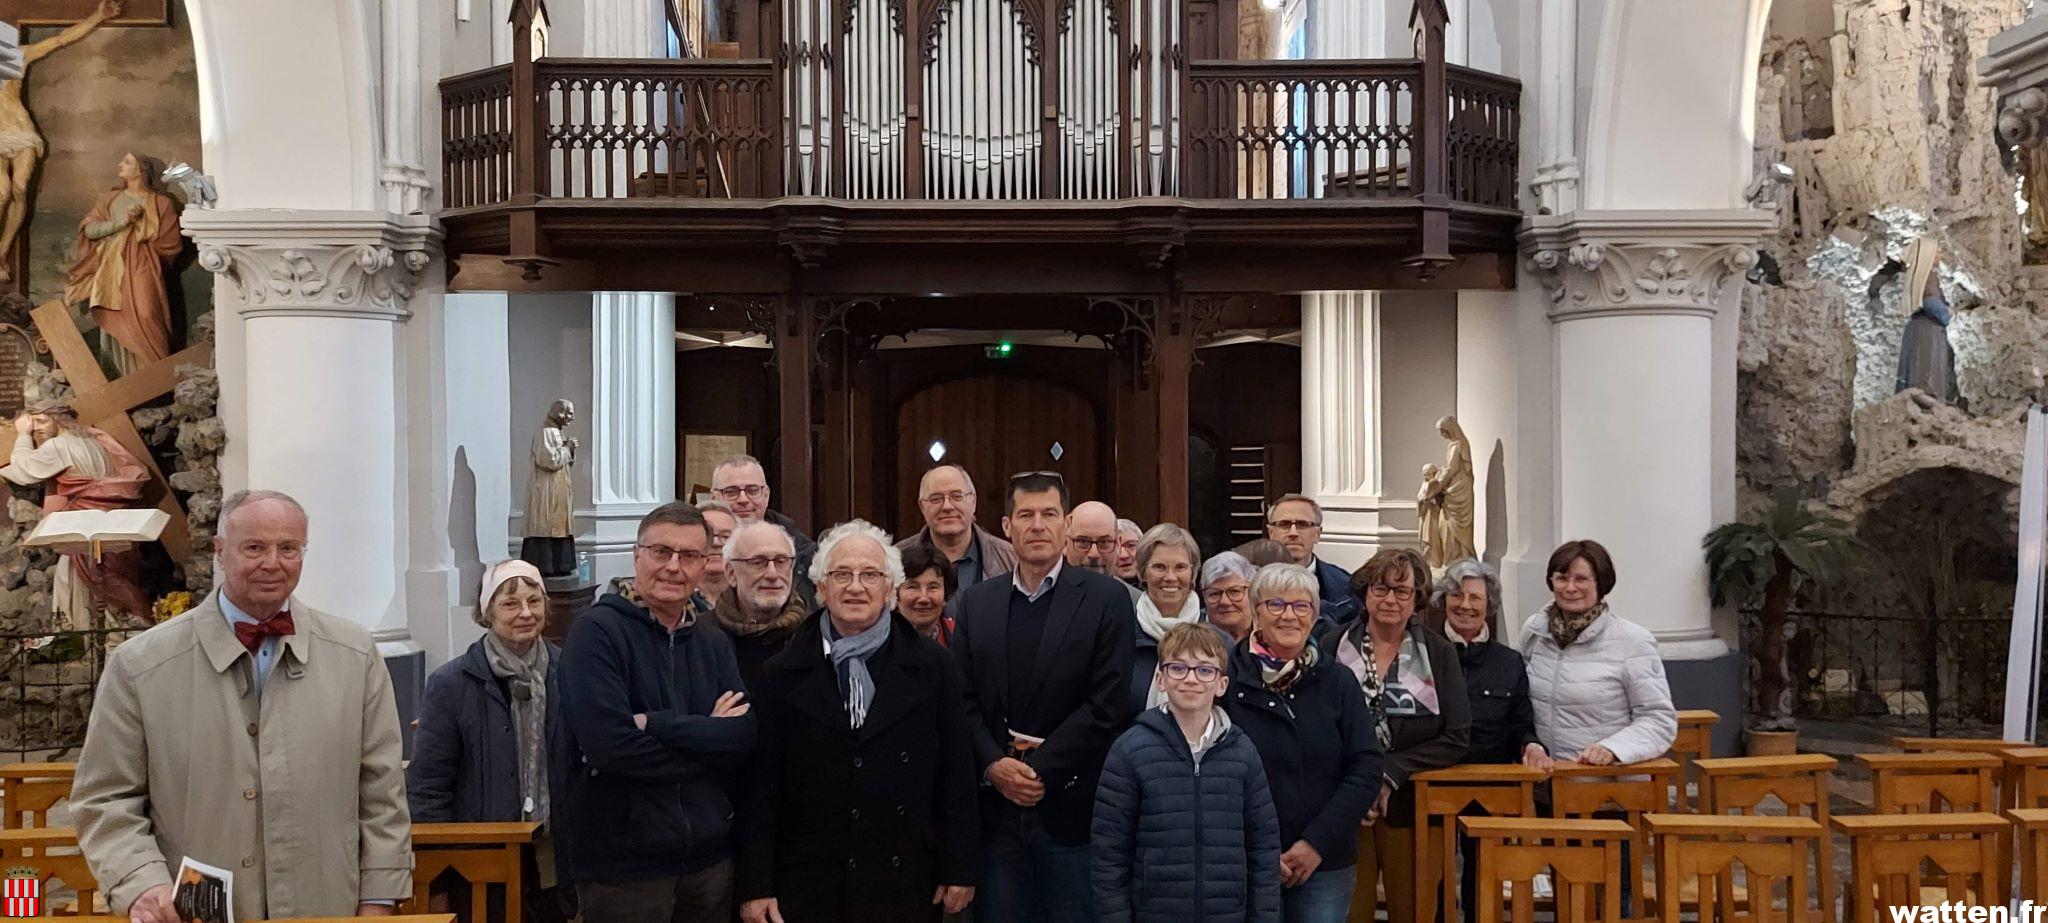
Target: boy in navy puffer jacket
(1185, 830)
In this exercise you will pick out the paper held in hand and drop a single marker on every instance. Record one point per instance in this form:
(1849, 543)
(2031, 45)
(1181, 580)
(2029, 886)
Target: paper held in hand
(204, 894)
(97, 530)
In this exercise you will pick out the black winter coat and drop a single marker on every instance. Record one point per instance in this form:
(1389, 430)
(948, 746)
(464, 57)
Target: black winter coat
(1322, 756)
(465, 760)
(1180, 842)
(845, 825)
(1503, 721)
(647, 803)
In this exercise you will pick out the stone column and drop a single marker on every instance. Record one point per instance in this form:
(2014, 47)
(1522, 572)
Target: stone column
(631, 458)
(1633, 297)
(1340, 421)
(323, 301)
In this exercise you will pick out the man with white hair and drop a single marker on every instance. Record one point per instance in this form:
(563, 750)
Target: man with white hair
(760, 611)
(861, 801)
(945, 495)
(251, 733)
(743, 484)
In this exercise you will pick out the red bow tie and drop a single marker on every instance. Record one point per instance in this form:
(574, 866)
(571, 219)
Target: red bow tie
(252, 634)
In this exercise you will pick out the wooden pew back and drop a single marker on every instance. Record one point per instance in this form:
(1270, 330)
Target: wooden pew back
(1583, 858)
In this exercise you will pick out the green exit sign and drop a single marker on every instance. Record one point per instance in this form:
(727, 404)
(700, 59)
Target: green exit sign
(1003, 350)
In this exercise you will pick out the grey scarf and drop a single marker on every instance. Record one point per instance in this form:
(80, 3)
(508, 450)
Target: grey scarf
(850, 660)
(526, 680)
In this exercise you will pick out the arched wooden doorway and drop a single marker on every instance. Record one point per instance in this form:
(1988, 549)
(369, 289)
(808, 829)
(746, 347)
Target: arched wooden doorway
(995, 426)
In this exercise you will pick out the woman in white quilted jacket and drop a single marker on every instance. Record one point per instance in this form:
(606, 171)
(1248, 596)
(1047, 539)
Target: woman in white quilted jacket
(1595, 679)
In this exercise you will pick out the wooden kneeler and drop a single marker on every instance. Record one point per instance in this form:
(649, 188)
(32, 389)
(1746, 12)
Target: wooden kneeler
(1583, 858)
(1503, 790)
(1887, 852)
(484, 854)
(1707, 852)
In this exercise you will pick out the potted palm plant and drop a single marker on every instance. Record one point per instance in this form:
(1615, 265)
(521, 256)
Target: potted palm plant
(1792, 555)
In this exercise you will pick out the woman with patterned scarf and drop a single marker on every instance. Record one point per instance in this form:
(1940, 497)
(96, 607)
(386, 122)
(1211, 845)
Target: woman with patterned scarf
(1415, 688)
(481, 752)
(1595, 678)
(1315, 736)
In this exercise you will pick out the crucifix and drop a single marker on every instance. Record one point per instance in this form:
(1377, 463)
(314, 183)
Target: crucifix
(105, 404)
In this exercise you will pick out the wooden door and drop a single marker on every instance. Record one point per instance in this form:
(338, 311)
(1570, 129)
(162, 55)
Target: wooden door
(995, 426)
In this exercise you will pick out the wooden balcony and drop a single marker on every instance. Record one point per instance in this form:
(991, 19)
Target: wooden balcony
(1110, 145)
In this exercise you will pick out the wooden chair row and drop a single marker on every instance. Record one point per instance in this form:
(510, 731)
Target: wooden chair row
(485, 855)
(1755, 869)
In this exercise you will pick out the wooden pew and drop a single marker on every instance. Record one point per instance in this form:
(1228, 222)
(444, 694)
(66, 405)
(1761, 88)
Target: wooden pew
(1504, 790)
(2026, 777)
(51, 852)
(1695, 742)
(1917, 783)
(1887, 851)
(484, 854)
(1582, 856)
(1704, 851)
(29, 790)
(1578, 792)
(1956, 744)
(2032, 826)
(1739, 785)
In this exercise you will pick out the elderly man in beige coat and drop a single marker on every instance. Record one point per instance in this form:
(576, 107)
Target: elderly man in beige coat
(253, 734)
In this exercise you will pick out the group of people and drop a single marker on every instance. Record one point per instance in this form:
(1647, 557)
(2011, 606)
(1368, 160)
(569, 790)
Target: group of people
(957, 724)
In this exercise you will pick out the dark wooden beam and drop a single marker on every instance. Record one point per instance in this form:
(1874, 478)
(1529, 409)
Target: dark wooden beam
(793, 334)
(1173, 359)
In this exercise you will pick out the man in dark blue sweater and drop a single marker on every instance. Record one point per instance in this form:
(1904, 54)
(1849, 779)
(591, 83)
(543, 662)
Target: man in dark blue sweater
(656, 715)
(1047, 656)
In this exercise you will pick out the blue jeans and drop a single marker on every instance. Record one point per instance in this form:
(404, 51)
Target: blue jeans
(1324, 898)
(1028, 878)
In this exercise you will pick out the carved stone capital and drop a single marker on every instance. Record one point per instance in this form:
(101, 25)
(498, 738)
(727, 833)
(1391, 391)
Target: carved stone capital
(1599, 264)
(317, 264)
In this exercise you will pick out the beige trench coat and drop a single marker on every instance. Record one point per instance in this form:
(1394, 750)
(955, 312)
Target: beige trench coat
(298, 791)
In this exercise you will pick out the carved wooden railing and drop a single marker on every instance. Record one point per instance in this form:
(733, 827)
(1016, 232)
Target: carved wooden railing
(1301, 129)
(476, 138)
(638, 128)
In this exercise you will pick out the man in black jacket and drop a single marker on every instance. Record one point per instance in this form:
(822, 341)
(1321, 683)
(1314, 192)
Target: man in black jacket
(1046, 655)
(656, 711)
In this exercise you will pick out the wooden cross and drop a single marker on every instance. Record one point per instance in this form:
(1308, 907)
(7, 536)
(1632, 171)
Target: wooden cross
(105, 404)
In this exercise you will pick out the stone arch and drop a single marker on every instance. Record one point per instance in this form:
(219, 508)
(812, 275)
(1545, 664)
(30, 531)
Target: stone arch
(1680, 77)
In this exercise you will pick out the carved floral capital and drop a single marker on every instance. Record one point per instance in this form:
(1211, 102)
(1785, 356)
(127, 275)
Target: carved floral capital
(295, 264)
(1643, 263)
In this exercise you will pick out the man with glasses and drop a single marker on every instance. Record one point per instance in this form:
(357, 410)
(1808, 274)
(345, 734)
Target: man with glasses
(253, 733)
(716, 577)
(945, 495)
(743, 485)
(1296, 522)
(656, 713)
(1047, 656)
(759, 612)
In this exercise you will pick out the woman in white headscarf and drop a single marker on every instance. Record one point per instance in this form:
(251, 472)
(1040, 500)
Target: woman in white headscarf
(481, 752)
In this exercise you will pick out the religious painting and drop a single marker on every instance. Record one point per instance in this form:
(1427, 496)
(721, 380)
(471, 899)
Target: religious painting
(702, 451)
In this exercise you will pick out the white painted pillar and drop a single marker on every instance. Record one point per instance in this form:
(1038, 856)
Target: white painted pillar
(332, 432)
(1556, 181)
(1340, 421)
(631, 458)
(1633, 300)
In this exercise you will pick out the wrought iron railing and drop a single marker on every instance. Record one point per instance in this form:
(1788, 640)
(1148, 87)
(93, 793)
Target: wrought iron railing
(49, 680)
(1942, 675)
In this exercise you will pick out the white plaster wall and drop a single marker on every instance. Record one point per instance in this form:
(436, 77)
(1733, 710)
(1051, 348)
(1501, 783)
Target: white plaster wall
(1504, 401)
(1418, 386)
(1669, 120)
(1639, 388)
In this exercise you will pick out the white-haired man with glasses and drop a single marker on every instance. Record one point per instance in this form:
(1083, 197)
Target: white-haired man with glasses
(761, 610)
(657, 713)
(742, 483)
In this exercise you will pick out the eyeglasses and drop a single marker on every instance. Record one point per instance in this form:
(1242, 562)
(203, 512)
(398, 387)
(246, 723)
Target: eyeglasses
(845, 578)
(1279, 607)
(1100, 544)
(1175, 670)
(955, 497)
(752, 491)
(1401, 593)
(662, 554)
(1234, 594)
(257, 551)
(766, 561)
(1293, 525)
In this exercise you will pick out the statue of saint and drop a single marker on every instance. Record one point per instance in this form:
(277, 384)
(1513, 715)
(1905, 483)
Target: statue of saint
(82, 468)
(1926, 361)
(549, 544)
(21, 146)
(1444, 506)
(125, 247)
